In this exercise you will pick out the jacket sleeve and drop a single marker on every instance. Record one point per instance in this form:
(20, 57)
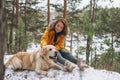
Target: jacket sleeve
(44, 38)
(60, 43)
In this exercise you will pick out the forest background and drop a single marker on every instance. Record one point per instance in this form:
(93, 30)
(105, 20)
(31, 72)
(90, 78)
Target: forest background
(25, 21)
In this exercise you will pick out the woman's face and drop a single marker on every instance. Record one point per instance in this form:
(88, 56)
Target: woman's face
(59, 27)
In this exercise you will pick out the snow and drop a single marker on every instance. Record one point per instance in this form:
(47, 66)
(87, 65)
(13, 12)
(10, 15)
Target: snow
(98, 43)
(76, 74)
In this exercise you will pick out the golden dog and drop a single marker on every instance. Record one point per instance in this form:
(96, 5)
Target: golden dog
(40, 60)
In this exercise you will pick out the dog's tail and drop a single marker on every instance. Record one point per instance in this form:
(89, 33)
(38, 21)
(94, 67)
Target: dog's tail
(7, 63)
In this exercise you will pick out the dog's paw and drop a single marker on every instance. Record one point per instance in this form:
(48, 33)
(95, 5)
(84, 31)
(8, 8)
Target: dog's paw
(64, 69)
(83, 67)
(51, 75)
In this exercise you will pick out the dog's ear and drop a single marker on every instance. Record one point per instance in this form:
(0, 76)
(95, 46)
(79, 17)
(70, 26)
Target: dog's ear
(44, 53)
(38, 54)
(44, 50)
(41, 46)
(40, 51)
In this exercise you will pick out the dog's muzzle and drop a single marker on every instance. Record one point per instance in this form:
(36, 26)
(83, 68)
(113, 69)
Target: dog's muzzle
(54, 57)
(56, 52)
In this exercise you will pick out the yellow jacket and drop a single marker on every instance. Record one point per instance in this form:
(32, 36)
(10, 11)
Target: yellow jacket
(48, 37)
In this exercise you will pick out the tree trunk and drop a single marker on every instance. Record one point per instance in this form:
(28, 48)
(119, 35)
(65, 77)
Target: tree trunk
(48, 11)
(95, 57)
(2, 40)
(89, 38)
(65, 9)
(6, 29)
(25, 18)
(88, 49)
(17, 36)
(11, 30)
(92, 10)
(112, 52)
(71, 41)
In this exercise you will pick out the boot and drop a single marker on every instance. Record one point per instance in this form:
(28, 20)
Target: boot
(69, 66)
(82, 65)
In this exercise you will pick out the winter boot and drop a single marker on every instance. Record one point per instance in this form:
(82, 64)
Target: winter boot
(69, 66)
(81, 64)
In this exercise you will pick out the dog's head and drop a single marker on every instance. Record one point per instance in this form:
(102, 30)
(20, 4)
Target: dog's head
(48, 52)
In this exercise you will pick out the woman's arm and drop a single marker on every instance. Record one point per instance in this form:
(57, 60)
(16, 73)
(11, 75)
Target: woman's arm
(44, 38)
(60, 44)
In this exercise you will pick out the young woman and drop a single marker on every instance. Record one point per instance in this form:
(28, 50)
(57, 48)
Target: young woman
(55, 34)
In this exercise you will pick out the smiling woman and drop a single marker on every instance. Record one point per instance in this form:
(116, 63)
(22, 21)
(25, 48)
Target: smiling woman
(55, 34)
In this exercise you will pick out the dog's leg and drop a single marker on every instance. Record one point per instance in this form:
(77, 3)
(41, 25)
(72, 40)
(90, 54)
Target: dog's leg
(15, 63)
(38, 71)
(58, 67)
(45, 73)
(8, 63)
(82, 65)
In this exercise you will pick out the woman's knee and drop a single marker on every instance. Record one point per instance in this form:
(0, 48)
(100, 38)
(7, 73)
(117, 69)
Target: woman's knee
(68, 56)
(60, 58)
(64, 52)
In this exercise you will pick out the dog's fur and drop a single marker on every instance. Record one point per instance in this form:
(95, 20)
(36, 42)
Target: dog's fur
(40, 60)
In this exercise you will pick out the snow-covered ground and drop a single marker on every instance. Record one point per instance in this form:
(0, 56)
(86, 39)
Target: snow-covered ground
(76, 74)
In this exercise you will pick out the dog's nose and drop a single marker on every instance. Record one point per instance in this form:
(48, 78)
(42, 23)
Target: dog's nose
(56, 52)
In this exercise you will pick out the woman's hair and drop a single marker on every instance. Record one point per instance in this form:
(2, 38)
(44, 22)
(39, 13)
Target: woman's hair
(64, 21)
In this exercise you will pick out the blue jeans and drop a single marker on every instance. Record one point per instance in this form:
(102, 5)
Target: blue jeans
(64, 55)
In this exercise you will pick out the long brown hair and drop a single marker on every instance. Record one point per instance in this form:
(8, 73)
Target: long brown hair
(64, 21)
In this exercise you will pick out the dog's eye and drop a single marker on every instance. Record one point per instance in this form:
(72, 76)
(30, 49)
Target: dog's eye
(50, 49)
